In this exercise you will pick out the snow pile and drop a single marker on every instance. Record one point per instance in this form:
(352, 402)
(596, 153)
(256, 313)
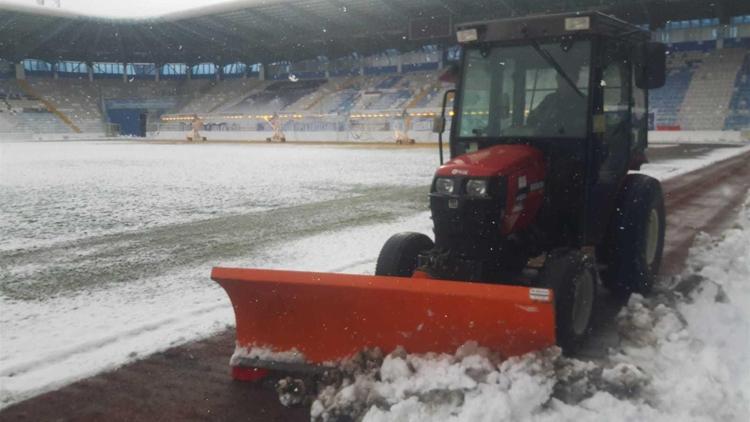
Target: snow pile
(683, 356)
(718, 312)
(470, 385)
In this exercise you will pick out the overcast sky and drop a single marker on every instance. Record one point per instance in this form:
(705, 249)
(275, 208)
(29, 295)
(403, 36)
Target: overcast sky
(122, 8)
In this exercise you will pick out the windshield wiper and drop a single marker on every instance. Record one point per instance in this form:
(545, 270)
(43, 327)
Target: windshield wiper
(552, 62)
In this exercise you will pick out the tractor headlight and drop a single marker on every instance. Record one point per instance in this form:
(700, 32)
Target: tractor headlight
(476, 188)
(443, 185)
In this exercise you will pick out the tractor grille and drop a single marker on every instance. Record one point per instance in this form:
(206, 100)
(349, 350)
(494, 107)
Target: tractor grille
(471, 228)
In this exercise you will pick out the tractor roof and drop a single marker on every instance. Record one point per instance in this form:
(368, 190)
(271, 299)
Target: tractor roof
(547, 26)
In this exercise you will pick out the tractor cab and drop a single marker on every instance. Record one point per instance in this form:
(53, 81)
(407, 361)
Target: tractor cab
(555, 77)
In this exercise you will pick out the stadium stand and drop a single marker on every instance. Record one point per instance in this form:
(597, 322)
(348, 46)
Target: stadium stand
(666, 102)
(739, 116)
(77, 99)
(22, 113)
(218, 95)
(338, 97)
(707, 88)
(372, 72)
(276, 96)
(707, 100)
(704, 89)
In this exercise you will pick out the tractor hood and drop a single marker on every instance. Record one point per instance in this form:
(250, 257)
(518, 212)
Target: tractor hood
(499, 160)
(517, 173)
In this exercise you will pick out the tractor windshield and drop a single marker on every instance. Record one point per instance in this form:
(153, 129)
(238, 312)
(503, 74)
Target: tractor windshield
(523, 91)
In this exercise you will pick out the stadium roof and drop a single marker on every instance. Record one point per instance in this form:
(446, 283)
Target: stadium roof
(267, 31)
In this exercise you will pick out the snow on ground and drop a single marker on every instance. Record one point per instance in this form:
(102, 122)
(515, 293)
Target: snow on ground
(673, 168)
(80, 335)
(685, 356)
(55, 191)
(62, 202)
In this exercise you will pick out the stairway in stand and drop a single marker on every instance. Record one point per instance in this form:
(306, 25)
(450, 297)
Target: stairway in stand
(31, 92)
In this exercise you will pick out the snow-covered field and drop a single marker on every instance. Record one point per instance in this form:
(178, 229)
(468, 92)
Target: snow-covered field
(685, 356)
(58, 191)
(106, 247)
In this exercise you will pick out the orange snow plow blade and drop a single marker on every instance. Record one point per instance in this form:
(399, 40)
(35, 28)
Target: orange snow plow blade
(327, 317)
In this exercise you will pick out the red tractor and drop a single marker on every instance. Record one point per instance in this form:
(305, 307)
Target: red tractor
(534, 208)
(549, 118)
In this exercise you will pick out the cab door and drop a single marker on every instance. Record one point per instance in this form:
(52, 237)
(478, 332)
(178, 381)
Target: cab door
(612, 123)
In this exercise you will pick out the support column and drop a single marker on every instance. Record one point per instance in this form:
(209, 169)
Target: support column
(219, 70)
(441, 58)
(262, 72)
(90, 69)
(55, 75)
(157, 72)
(189, 72)
(20, 71)
(124, 72)
(362, 67)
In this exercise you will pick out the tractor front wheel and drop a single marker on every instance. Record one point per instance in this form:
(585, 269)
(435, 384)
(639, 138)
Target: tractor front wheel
(633, 247)
(399, 254)
(573, 278)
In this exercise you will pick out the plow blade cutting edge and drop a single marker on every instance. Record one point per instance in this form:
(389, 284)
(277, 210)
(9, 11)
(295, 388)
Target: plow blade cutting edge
(327, 317)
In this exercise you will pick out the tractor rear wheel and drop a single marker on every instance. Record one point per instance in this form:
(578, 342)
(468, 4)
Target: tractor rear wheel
(399, 254)
(573, 278)
(632, 250)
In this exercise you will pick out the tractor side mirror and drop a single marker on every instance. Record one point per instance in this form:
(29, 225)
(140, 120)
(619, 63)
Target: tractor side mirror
(438, 124)
(651, 65)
